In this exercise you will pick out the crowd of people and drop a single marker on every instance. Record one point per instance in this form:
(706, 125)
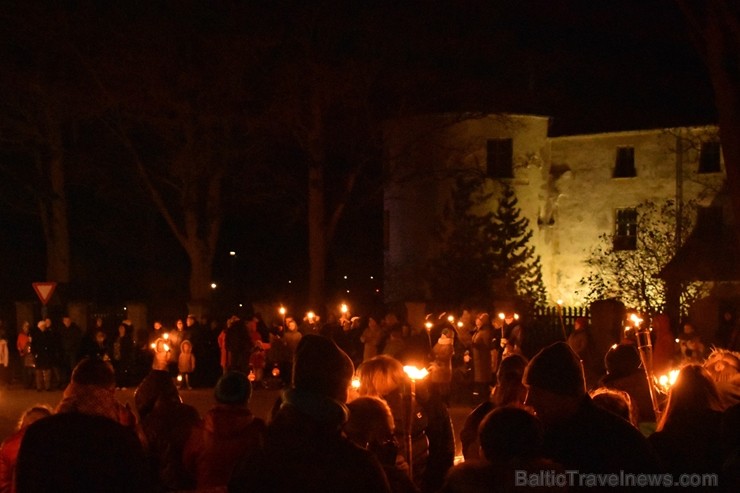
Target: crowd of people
(352, 418)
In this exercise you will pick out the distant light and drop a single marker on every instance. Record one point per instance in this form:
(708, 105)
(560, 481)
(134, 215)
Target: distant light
(240, 305)
(501, 315)
(348, 290)
(232, 253)
(213, 285)
(377, 291)
(372, 277)
(355, 383)
(125, 308)
(290, 282)
(345, 277)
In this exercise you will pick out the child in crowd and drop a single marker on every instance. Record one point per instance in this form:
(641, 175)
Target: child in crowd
(185, 364)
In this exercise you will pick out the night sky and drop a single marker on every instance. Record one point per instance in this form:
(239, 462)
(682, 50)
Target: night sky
(592, 66)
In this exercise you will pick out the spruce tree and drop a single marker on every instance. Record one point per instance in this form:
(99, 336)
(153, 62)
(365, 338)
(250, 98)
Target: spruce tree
(462, 271)
(517, 269)
(484, 248)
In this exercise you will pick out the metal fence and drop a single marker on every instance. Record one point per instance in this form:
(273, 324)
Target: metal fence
(551, 324)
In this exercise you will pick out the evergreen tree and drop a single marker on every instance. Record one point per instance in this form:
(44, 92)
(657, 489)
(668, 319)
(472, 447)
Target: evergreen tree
(462, 272)
(484, 248)
(517, 269)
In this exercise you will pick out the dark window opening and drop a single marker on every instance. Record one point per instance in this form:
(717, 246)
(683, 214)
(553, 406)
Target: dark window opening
(625, 229)
(709, 158)
(625, 165)
(500, 158)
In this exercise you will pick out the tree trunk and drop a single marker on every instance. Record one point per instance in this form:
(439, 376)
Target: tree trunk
(53, 210)
(317, 240)
(201, 273)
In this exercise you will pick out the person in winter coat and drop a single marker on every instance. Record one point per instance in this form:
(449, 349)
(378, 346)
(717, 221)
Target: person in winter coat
(185, 364)
(440, 376)
(430, 429)
(44, 348)
(92, 391)
(10, 446)
(305, 449)
(166, 424)
(228, 433)
(482, 361)
(23, 345)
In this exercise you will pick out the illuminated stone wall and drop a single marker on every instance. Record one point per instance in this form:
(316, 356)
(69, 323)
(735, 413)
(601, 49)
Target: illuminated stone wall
(564, 186)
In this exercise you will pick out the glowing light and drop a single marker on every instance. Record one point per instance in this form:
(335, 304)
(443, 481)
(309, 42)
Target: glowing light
(344, 308)
(345, 277)
(667, 381)
(614, 346)
(459, 323)
(559, 302)
(310, 316)
(281, 310)
(635, 320)
(677, 341)
(232, 253)
(166, 347)
(276, 372)
(166, 336)
(213, 285)
(501, 315)
(355, 383)
(154, 345)
(179, 378)
(516, 316)
(451, 319)
(372, 277)
(428, 325)
(415, 373)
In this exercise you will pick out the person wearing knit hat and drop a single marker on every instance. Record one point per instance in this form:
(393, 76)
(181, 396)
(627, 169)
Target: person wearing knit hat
(228, 434)
(578, 434)
(557, 369)
(321, 367)
(305, 448)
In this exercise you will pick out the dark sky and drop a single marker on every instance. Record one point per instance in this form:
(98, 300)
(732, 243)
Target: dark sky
(591, 65)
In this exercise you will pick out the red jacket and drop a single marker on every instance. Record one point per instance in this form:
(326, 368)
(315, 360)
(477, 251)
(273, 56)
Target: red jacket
(227, 434)
(8, 458)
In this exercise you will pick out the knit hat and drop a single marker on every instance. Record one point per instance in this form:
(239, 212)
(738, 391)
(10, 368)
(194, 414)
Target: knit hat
(558, 369)
(233, 388)
(322, 367)
(622, 360)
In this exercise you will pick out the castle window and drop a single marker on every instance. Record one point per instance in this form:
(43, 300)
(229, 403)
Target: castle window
(625, 165)
(625, 229)
(500, 158)
(709, 157)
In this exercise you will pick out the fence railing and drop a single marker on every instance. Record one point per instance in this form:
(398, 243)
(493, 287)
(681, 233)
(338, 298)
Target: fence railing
(548, 324)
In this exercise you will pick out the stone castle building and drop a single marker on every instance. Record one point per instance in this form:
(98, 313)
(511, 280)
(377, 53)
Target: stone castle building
(571, 188)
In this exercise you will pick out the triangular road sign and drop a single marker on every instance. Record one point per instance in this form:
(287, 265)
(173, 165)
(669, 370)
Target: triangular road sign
(44, 290)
